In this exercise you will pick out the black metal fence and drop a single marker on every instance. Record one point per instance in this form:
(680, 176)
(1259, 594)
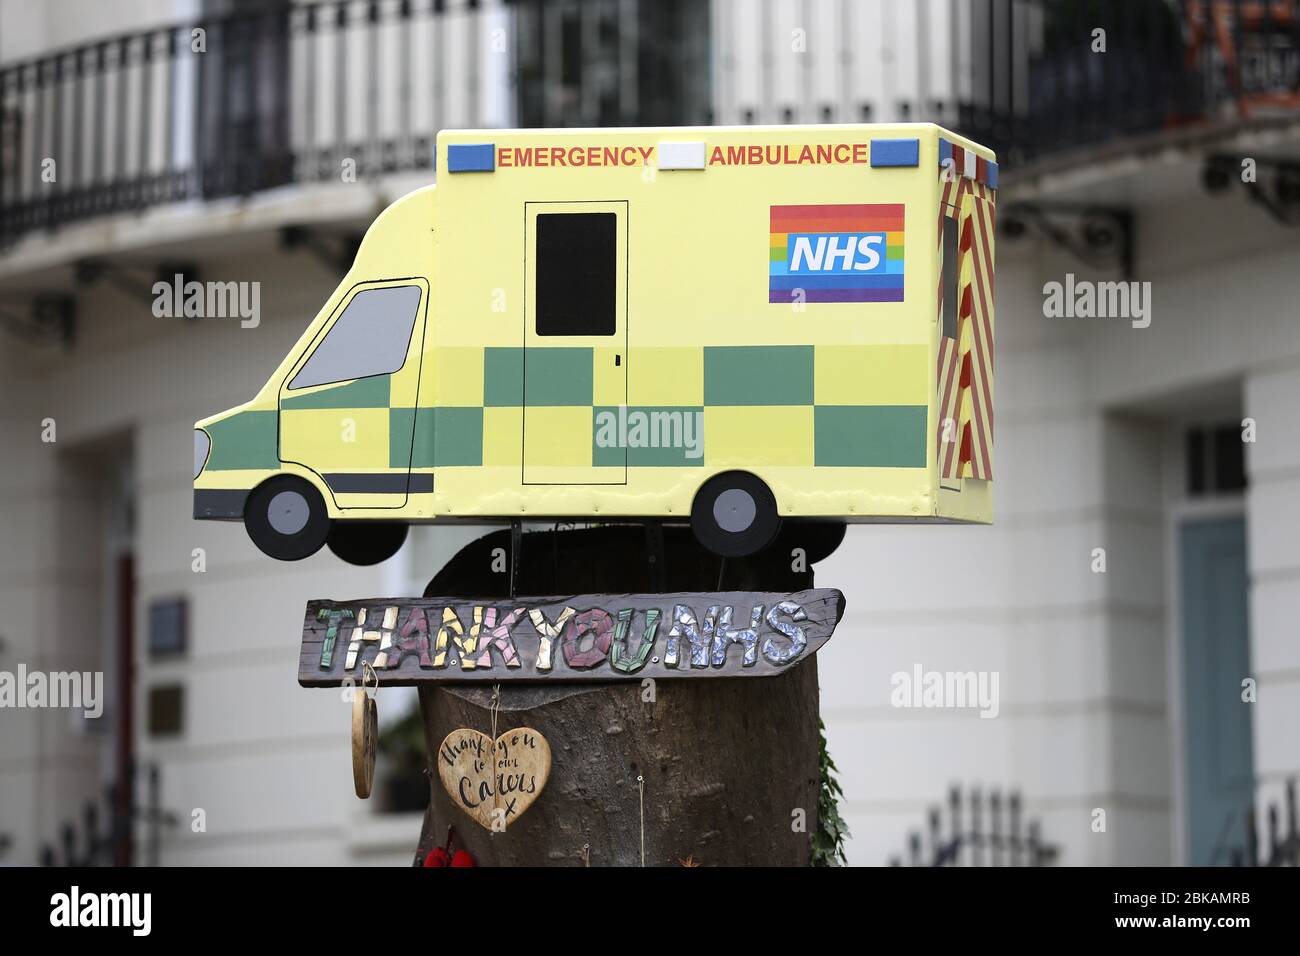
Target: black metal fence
(122, 831)
(281, 92)
(1268, 841)
(1165, 65)
(233, 105)
(981, 830)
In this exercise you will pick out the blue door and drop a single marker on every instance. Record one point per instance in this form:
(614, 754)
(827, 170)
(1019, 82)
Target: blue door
(1216, 658)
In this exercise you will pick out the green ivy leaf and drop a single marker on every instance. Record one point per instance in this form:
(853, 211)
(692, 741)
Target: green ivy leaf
(828, 839)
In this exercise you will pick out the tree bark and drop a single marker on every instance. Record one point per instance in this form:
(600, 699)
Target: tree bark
(727, 765)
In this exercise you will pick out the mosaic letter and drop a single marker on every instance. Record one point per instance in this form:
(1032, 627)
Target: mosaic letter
(331, 634)
(600, 625)
(634, 662)
(498, 636)
(798, 641)
(548, 633)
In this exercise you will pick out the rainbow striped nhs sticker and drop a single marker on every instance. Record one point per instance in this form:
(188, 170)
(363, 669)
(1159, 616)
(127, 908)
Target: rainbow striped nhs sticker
(836, 253)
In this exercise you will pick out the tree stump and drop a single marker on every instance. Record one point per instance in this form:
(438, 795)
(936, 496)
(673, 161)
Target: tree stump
(726, 764)
(730, 766)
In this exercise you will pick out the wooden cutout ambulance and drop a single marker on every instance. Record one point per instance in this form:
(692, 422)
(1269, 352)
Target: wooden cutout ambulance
(726, 326)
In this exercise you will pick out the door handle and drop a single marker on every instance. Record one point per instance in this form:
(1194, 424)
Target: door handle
(618, 359)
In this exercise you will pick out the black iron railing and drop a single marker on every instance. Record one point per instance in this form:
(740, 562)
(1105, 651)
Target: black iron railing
(233, 105)
(120, 831)
(283, 92)
(1050, 76)
(982, 830)
(1266, 841)
(340, 90)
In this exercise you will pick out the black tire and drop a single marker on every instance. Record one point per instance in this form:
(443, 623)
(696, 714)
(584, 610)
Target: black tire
(734, 515)
(286, 518)
(365, 543)
(819, 538)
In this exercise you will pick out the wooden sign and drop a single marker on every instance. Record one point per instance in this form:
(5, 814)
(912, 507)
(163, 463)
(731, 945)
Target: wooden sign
(588, 637)
(494, 785)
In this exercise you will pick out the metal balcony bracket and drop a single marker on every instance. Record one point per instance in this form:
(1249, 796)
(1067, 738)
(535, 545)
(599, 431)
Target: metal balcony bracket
(1099, 236)
(138, 282)
(49, 318)
(1275, 185)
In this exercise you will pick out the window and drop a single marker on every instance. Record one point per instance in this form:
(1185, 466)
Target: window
(165, 710)
(577, 262)
(370, 338)
(1215, 461)
(951, 276)
(167, 627)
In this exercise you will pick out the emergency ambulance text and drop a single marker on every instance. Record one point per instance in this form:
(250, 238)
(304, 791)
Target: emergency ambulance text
(757, 154)
(543, 157)
(822, 154)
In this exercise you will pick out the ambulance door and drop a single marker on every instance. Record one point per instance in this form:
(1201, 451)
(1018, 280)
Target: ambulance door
(347, 410)
(575, 343)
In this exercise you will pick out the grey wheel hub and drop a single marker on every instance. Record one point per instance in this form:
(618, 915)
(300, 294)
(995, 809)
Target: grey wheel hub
(734, 510)
(288, 512)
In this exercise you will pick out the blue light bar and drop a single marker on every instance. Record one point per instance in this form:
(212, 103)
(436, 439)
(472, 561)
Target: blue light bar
(471, 158)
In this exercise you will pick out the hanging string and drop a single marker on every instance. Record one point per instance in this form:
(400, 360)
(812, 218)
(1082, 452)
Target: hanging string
(586, 854)
(495, 708)
(640, 782)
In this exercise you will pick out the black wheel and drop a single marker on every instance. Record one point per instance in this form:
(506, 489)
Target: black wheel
(366, 542)
(734, 515)
(286, 518)
(819, 538)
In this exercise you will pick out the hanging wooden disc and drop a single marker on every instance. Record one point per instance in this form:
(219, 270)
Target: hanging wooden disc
(365, 734)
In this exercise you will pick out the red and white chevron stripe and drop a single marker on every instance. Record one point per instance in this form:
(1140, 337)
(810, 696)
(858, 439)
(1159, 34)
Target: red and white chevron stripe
(964, 448)
(980, 221)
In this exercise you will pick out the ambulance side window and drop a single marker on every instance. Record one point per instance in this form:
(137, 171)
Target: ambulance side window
(577, 263)
(951, 277)
(370, 338)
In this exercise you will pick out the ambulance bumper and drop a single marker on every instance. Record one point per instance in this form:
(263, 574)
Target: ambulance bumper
(219, 503)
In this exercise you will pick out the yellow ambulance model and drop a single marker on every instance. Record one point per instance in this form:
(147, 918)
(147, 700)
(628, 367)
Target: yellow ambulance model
(729, 326)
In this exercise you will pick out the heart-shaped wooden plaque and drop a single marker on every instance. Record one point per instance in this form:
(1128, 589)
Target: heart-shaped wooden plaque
(498, 785)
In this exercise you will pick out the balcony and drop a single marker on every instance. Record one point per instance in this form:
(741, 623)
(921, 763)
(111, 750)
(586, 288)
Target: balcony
(316, 92)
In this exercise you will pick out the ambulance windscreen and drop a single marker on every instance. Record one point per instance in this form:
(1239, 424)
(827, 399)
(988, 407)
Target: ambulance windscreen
(370, 338)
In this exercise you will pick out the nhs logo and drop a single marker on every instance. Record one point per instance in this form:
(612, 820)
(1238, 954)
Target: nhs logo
(836, 253)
